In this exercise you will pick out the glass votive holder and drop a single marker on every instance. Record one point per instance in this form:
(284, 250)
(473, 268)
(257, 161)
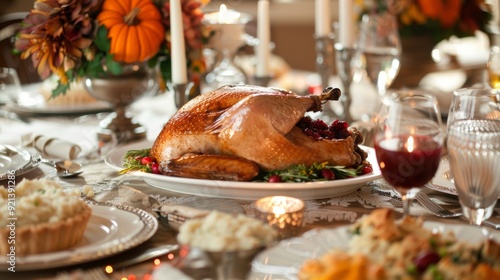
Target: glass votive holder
(284, 213)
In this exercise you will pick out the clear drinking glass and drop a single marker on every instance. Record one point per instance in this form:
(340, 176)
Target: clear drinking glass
(408, 141)
(10, 87)
(493, 67)
(379, 47)
(474, 103)
(474, 156)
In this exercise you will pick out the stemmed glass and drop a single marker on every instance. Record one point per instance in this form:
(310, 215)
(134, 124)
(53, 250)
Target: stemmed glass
(408, 141)
(474, 155)
(10, 87)
(379, 47)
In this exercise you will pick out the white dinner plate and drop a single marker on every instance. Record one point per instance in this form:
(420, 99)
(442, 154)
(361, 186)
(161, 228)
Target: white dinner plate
(245, 190)
(35, 103)
(284, 260)
(111, 230)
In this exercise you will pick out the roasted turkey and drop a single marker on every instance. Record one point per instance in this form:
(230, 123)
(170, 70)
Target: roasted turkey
(235, 131)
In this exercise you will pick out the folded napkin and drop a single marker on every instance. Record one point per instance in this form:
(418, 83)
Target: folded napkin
(167, 272)
(52, 147)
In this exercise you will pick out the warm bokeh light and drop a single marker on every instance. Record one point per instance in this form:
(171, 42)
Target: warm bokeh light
(170, 256)
(109, 269)
(157, 262)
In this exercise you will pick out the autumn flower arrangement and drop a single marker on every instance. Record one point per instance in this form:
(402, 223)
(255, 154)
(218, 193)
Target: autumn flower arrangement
(78, 38)
(437, 18)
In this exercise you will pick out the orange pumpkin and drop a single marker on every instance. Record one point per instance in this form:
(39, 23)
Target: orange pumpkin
(134, 28)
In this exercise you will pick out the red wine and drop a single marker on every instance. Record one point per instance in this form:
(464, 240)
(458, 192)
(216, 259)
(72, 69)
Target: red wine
(405, 165)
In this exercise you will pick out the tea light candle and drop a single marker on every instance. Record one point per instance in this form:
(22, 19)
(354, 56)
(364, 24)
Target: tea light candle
(282, 212)
(223, 16)
(229, 28)
(178, 52)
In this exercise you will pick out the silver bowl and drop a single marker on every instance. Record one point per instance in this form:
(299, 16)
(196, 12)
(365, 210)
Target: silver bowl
(120, 91)
(202, 264)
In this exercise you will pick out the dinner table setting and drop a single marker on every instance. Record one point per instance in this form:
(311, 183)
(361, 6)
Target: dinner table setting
(301, 160)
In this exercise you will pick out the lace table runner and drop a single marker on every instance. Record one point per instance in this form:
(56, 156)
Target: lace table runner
(346, 208)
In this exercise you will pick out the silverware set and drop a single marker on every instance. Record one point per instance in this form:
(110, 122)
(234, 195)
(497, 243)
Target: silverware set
(441, 212)
(435, 208)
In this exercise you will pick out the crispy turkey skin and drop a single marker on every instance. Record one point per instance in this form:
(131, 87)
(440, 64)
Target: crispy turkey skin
(252, 126)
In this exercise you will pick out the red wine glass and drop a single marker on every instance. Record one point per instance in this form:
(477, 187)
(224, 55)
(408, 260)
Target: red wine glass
(408, 141)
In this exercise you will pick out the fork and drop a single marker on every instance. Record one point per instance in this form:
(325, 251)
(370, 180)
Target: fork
(435, 208)
(439, 211)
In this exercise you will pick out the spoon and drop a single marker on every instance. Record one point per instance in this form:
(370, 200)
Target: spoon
(65, 168)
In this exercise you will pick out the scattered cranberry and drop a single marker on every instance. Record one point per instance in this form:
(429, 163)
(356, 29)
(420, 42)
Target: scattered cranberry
(425, 259)
(305, 122)
(275, 179)
(340, 129)
(338, 124)
(155, 168)
(318, 129)
(366, 169)
(319, 125)
(328, 174)
(312, 133)
(146, 160)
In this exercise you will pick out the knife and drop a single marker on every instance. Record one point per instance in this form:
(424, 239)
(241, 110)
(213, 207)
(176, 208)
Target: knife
(146, 255)
(13, 116)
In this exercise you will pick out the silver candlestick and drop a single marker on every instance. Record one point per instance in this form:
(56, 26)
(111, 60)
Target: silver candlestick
(324, 66)
(262, 81)
(182, 93)
(345, 57)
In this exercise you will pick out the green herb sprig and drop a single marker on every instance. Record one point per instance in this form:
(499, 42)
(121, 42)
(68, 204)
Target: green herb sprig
(302, 173)
(132, 162)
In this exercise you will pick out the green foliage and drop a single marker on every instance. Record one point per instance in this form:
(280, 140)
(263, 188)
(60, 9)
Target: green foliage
(114, 67)
(101, 39)
(131, 161)
(166, 69)
(101, 63)
(62, 88)
(302, 173)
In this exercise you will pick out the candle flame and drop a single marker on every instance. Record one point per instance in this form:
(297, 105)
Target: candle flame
(278, 210)
(222, 12)
(410, 144)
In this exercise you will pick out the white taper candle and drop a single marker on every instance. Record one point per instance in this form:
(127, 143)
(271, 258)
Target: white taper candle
(178, 48)
(346, 23)
(322, 18)
(264, 35)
